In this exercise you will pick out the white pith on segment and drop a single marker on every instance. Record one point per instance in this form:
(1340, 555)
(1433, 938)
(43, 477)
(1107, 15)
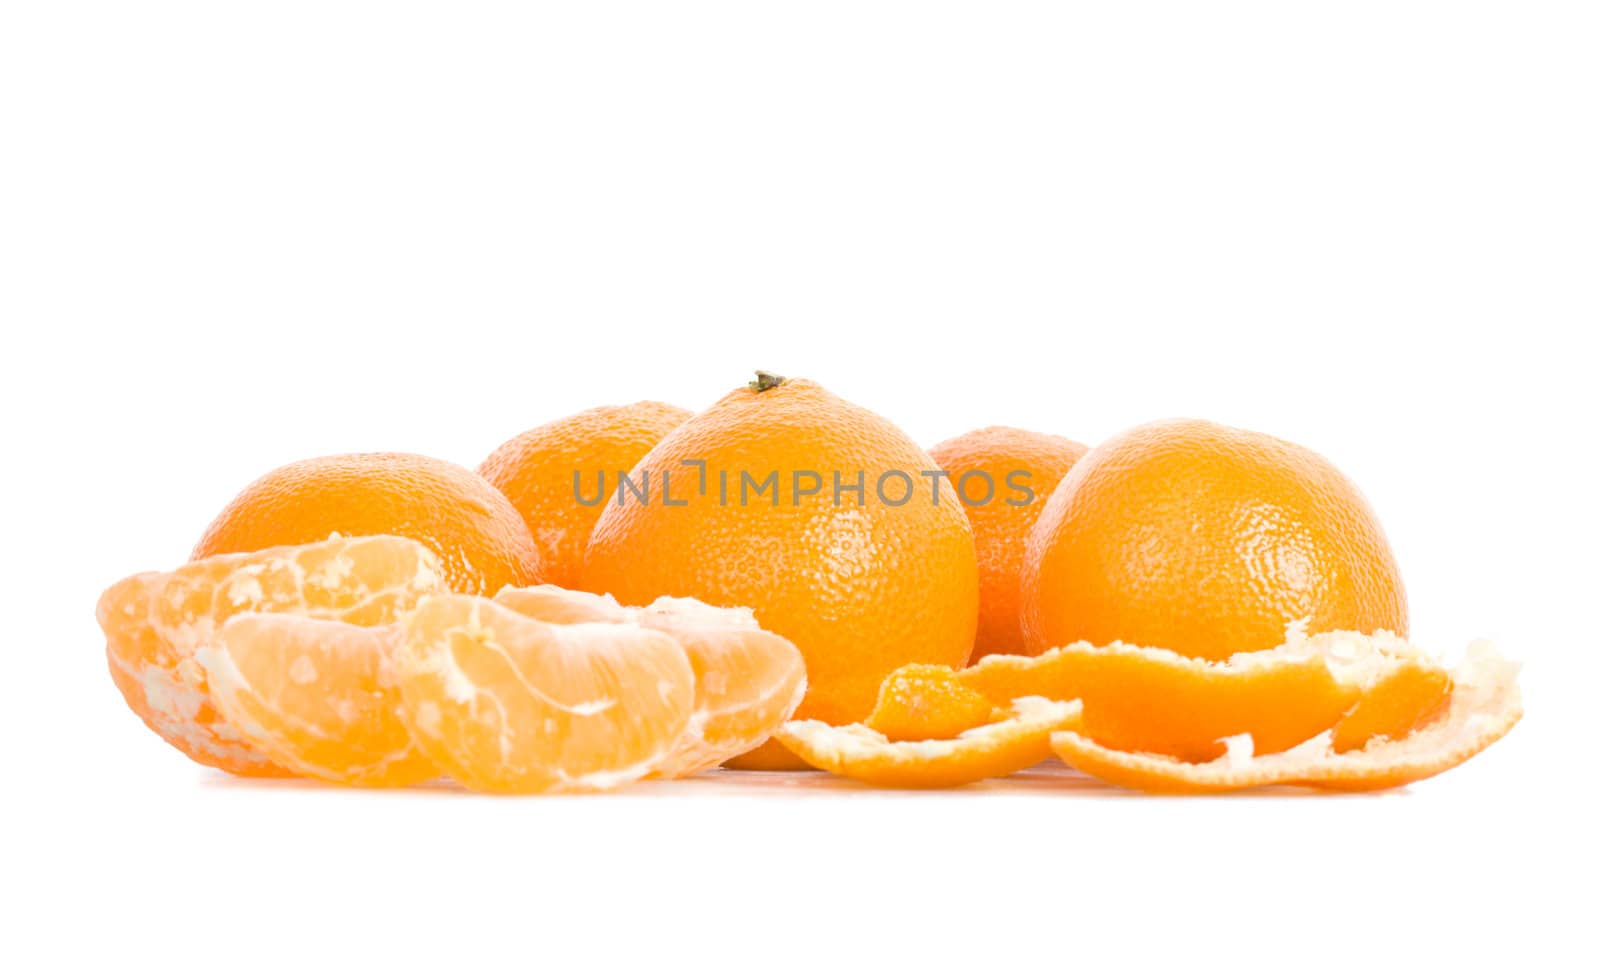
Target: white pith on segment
(539, 741)
(708, 634)
(367, 744)
(182, 618)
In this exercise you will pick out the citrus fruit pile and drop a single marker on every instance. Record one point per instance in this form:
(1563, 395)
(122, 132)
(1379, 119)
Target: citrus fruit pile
(786, 580)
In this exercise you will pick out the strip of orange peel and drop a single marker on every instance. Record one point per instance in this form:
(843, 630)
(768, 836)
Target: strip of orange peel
(1018, 739)
(1147, 699)
(1484, 704)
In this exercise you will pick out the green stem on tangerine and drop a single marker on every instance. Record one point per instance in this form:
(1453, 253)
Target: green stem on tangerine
(766, 380)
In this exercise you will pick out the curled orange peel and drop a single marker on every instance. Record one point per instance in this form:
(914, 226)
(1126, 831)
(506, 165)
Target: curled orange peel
(1483, 704)
(1153, 700)
(1404, 698)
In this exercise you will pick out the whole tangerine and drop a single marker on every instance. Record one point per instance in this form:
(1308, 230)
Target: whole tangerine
(1004, 476)
(1205, 540)
(823, 517)
(545, 471)
(480, 537)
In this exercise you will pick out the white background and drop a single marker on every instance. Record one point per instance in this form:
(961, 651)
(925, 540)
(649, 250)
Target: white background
(237, 235)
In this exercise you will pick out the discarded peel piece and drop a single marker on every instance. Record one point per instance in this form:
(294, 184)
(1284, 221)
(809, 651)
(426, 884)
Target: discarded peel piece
(315, 695)
(156, 623)
(1484, 705)
(1018, 739)
(748, 681)
(506, 703)
(921, 702)
(1152, 700)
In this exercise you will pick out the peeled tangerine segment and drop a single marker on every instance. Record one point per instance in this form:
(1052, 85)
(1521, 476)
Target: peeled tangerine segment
(1019, 739)
(506, 703)
(316, 696)
(1483, 705)
(747, 681)
(166, 694)
(1152, 700)
(155, 623)
(557, 605)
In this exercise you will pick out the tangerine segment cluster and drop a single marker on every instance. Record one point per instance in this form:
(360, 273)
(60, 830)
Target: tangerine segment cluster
(348, 661)
(156, 624)
(1483, 705)
(747, 681)
(1018, 739)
